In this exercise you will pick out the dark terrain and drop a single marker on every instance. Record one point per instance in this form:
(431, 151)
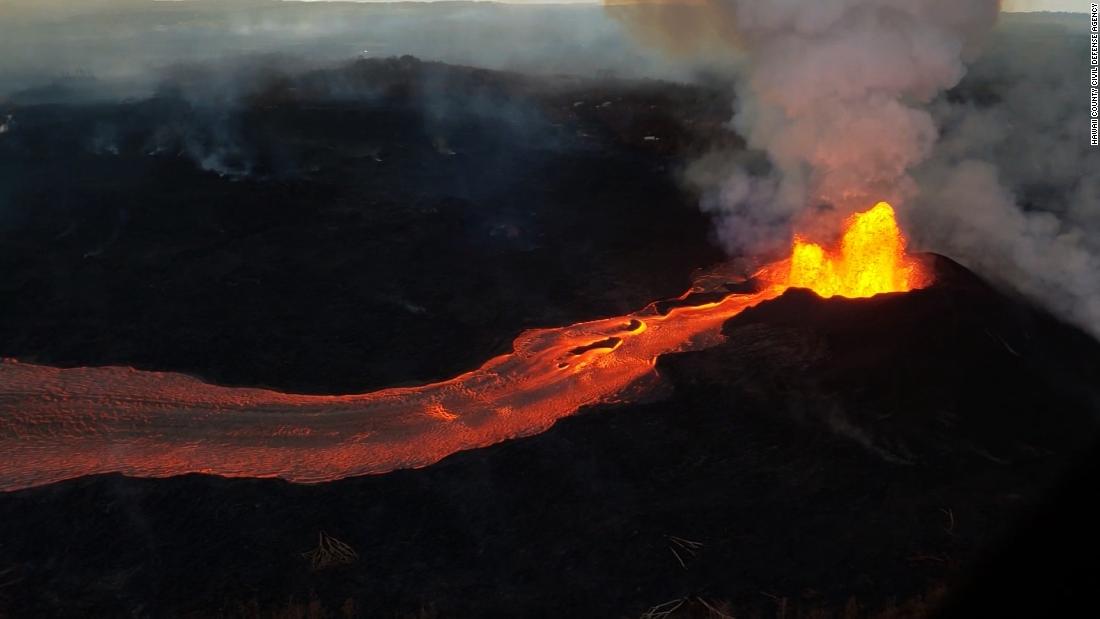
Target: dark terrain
(833, 454)
(898, 454)
(383, 223)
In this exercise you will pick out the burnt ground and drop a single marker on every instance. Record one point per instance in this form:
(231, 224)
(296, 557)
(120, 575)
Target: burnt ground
(397, 221)
(382, 223)
(892, 454)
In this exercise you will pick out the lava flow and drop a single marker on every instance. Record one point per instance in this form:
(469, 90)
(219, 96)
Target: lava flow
(57, 424)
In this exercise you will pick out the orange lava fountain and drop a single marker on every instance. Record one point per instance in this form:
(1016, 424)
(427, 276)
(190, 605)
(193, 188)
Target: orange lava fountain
(57, 424)
(871, 260)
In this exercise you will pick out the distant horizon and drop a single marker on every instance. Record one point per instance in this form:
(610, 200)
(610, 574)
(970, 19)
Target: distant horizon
(1010, 6)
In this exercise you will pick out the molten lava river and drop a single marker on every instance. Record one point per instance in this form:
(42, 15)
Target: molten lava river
(57, 424)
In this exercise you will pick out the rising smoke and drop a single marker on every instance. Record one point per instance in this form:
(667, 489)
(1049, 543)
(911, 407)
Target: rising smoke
(830, 91)
(1012, 186)
(846, 102)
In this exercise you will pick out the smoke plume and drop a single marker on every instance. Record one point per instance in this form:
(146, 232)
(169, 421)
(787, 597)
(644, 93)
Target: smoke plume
(1011, 188)
(847, 102)
(830, 92)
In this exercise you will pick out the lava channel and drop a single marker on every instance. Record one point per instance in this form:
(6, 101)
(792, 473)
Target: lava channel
(57, 424)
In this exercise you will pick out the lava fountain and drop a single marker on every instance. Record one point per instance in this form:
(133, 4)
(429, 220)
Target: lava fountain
(58, 424)
(871, 260)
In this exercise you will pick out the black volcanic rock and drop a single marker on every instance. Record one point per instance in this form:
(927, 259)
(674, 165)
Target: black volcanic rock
(384, 223)
(831, 454)
(954, 370)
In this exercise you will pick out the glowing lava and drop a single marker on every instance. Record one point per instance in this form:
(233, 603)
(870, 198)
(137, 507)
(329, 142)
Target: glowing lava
(871, 259)
(57, 424)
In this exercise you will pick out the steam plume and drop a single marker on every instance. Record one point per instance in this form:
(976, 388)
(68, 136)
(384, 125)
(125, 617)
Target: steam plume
(829, 93)
(1011, 188)
(845, 101)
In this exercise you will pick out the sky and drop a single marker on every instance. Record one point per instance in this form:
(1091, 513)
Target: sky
(1076, 6)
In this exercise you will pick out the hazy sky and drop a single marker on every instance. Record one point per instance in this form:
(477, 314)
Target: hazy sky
(1080, 6)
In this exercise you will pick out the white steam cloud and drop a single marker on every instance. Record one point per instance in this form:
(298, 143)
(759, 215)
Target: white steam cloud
(1012, 188)
(844, 103)
(832, 92)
